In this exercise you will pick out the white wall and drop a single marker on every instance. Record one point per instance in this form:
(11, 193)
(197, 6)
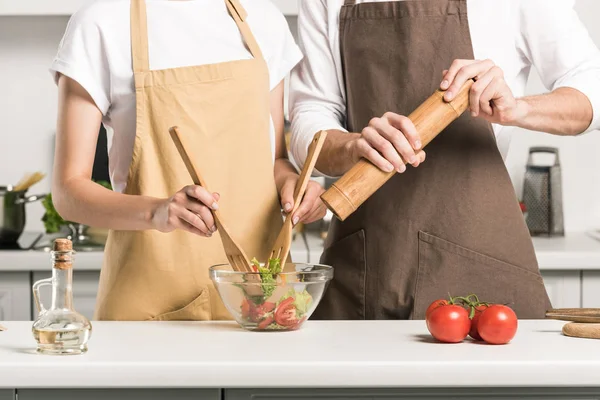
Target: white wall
(28, 101)
(28, 117)
(579, 156)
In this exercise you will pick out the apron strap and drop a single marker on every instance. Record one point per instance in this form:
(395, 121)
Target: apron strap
(349, 2)
(139, 36)
(139, 33)
(239, 14)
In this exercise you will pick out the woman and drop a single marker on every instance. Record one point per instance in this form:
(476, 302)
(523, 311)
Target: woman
(215, 71)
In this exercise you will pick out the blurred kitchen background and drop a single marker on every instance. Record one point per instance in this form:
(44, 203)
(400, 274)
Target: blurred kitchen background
(30, 31)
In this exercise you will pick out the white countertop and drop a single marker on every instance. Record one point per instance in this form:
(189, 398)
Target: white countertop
(323, 354)
(575, 251)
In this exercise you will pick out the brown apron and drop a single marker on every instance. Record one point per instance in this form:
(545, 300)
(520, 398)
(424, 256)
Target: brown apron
(224, 110)
(451, 226)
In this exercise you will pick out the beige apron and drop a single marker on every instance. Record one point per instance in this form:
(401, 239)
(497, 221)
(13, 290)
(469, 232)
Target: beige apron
(452, 225)
(224, 112)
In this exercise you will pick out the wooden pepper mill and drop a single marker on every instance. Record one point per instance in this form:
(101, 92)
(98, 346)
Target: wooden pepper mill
(364, 179)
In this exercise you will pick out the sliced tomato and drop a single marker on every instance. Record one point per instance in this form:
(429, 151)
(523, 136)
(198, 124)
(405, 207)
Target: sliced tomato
(245, 309)
(264, 324)
(286, 313)
(434, 305)
(268, 306)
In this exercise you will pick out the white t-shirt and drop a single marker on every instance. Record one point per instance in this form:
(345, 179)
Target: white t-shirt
(516, 34)
(96, 52)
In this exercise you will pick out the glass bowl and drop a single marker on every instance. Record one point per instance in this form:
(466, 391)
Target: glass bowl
(281, 304)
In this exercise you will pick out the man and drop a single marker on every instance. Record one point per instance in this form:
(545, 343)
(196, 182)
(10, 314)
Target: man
(452, 225)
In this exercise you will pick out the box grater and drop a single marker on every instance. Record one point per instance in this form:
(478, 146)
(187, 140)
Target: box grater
(542, 195)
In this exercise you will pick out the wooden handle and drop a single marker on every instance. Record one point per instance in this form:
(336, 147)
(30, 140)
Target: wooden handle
(192, 170)
(587, 331)
(589, 312)
(313, 155)
(583, 315)
(364, 179)
(178, 140)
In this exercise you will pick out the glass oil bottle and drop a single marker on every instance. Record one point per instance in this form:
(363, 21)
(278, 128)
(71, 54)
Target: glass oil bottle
(60, 330)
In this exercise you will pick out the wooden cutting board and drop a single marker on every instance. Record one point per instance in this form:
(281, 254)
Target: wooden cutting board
(582, 330)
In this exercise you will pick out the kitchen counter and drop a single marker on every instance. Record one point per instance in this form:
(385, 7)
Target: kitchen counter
(39, 260)
(324, 354)
(575, 251)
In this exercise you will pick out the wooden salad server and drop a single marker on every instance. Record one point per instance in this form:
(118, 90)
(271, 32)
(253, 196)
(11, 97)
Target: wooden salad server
(364, 179)
(281, 248)
(235, 254)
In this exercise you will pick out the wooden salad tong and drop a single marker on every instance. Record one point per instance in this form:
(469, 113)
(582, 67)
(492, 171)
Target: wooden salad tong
(281, 248)
(235, 254)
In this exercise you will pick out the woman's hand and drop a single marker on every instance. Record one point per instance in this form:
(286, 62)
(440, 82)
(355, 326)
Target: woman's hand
(189, 210)
(311, 208)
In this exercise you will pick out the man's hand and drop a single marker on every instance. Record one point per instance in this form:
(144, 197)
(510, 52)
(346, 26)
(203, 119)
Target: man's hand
(389, 143)
(490, 96)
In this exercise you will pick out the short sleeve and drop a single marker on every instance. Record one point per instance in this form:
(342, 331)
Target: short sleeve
(81, 57)
(559, 46)
(279, 47)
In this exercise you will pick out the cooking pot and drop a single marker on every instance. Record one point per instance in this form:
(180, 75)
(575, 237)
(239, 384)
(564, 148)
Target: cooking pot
(12, 213)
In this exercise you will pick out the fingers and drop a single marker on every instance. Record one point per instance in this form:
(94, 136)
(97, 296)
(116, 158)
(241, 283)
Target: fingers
(479, 87)
(202, 195)
(406, 127)
(365, 150)
(287, 195)
(316, 214)
(490, 93)
(182, 218)
(395, 138)
(460, 72)
(451, 73)
(204, 213)
(310, 201)
(374, 134)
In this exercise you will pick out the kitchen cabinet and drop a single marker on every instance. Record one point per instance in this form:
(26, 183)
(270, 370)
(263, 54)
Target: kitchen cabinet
(409, 393)
(118, 394)
(7, 395)
(85, 288)
(563, 287)
(591, 289)
(15, 298)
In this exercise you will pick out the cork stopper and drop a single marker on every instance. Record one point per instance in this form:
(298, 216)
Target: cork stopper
(62, 245)
(62, 252)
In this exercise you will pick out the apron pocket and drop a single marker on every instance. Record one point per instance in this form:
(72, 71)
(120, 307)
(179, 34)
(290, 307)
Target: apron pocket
(197, 310)
(447, 268)
(345, 296)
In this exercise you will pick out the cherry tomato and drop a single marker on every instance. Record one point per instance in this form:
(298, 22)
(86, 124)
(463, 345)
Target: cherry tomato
(285, 314)
(449, 324)
(497, 324)
(434, 305)
(474, 333)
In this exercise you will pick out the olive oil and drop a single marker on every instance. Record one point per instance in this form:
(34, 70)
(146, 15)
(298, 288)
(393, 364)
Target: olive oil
(60, 329)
